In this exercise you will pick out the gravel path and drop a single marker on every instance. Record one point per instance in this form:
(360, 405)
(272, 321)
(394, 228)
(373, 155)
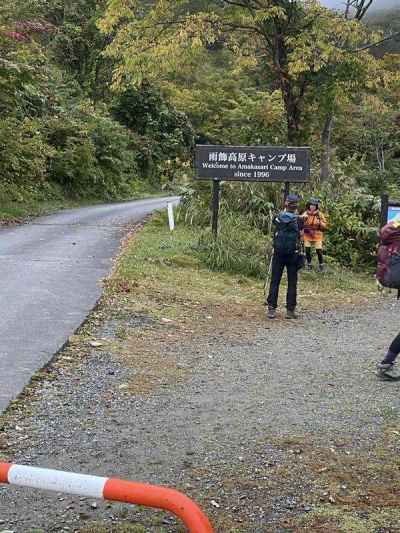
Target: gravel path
(214, 432)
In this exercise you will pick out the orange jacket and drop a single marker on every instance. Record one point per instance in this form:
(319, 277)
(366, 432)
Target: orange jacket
(314, 225)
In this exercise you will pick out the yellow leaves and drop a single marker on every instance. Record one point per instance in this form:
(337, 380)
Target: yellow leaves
(298, 67)
(159, 42)
(273, 109)
(172, 36)
(326, 42)
(375, 105)
(272, 12)
(245, 63)
(117, 11)
(197, 42)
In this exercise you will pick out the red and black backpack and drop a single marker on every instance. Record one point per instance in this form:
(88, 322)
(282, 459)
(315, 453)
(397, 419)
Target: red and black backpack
(388, 271)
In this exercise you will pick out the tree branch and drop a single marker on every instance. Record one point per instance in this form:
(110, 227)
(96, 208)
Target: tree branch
(245, 5)
(361, 7)
(377, 43)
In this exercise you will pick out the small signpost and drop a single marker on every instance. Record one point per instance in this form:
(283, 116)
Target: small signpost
(171, 221)
(250, 163)
(390, 209)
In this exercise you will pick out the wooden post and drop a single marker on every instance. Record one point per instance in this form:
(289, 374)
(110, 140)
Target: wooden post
(286, 191)
(384, 209)
(215, 206)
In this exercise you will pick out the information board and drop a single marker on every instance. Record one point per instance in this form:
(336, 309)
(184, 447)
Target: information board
(252, 163)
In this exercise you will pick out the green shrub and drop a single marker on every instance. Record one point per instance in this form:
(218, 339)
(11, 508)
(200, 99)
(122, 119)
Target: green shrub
(116, 156)
(74, 165)
(256, 201)
(23, 151)
(351, 239)
(194, 208)
(94, 156)
(352, 234)
(166, 135)
(239, 248)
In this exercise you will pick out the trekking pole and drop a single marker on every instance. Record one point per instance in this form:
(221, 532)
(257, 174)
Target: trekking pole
(269, 268)
(116, 490)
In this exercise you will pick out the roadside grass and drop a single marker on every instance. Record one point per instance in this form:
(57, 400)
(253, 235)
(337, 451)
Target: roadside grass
(332, 520)
(353, 489)
(169, 267)
(22, 201)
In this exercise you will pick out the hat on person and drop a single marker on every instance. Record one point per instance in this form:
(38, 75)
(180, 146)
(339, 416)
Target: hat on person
(313, 201)
(292, 200)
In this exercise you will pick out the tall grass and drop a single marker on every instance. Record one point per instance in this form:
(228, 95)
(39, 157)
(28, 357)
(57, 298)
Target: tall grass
(243, 245)
(240, 248)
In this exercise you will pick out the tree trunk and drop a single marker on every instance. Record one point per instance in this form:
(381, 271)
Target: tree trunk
(291, 101)
(293, 118)
(326, 148)
(380, 156)
(293, 122)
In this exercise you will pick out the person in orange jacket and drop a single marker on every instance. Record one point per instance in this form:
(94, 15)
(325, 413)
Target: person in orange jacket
(314, 226)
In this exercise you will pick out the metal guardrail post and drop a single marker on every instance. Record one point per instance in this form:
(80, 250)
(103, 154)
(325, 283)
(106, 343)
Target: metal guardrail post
(109, 489)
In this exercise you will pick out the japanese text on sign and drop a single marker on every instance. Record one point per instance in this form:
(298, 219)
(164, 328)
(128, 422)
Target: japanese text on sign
(252, 163)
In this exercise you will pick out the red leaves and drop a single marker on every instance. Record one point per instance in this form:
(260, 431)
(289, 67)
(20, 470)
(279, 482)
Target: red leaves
(25, 29)
(16, 36)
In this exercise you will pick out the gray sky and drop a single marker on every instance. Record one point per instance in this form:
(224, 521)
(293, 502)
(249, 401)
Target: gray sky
(332, 3)
(377, 4)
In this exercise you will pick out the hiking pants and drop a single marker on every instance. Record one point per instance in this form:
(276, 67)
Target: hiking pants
(319, 255)
(279, 262)
(394, 350)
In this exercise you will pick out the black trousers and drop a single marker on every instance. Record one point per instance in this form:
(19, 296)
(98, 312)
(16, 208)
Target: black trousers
(279, 262)
(319, 255)
(394, 350)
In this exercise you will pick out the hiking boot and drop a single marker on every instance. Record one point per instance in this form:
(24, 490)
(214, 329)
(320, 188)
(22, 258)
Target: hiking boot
(291, 315)
(387, 371)
(321, 268)
(271, 313)
(309, 267)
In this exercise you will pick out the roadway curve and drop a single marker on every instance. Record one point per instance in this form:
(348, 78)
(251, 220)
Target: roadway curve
(50, 273)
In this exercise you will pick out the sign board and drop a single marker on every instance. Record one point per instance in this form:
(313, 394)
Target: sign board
(252, 163)
(393, 212)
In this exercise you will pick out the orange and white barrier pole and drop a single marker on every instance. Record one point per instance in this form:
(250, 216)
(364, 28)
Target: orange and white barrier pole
(109, 489)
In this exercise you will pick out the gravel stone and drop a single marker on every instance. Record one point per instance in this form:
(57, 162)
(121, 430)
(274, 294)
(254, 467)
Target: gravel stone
(313, 377)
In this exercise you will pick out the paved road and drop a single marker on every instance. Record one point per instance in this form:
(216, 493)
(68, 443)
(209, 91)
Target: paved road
(49, 281)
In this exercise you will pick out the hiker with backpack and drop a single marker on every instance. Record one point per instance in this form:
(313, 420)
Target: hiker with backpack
(314, 226)
(287, 238)
(388, 275)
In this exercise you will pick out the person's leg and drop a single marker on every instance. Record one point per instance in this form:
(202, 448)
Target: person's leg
(394, 350)
(385, 369)
(308, 256)
(276, 276)
(292, 274)
(320, 255)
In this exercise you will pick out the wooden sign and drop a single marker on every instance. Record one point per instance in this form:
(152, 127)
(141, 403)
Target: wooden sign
(252, 163)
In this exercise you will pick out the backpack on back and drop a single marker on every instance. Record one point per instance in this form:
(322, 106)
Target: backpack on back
(388, 271)
(287, 234)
